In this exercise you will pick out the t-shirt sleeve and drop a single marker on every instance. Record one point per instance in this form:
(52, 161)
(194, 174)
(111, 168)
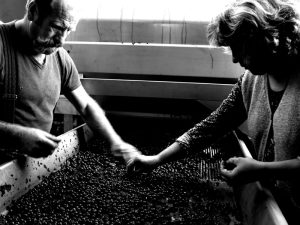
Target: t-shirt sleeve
(70, 75)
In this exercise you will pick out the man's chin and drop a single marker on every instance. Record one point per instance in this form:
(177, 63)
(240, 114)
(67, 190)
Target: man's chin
(49, 51)
(46, 51)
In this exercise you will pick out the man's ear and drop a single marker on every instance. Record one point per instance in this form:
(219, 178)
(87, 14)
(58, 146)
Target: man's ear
(32, 11)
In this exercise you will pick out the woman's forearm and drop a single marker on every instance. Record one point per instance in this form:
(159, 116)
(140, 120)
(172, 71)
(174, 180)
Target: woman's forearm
(171, 153)
(282, 169)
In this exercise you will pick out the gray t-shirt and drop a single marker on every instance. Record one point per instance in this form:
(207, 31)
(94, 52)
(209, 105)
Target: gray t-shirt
(40, 85)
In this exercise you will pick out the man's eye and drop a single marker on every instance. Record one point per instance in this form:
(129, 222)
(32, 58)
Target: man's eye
(57, 27)
(50, 29)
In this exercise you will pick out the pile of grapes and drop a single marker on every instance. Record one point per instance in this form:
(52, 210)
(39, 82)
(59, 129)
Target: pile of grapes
(94, 188)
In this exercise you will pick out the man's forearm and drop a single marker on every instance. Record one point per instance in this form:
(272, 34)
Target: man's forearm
(8, 134)
(96, 119)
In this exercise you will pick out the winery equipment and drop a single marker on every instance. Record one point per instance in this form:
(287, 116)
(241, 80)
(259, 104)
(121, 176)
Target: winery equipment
(255, 203)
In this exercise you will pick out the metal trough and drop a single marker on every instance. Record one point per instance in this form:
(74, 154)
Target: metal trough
(20, 175)
(17, 177)
(257, 203)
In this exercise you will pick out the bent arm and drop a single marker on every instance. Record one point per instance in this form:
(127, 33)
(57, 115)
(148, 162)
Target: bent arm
(245, 170)
(26, 140)
(9, 135)
(229, 115)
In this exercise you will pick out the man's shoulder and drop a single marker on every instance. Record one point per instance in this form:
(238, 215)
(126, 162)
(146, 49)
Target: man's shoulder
(7, 26)
(64, 59)
(7, 32)
(63, 54)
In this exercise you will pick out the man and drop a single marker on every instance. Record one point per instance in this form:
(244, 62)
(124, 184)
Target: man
(264, 37)
(42, 71)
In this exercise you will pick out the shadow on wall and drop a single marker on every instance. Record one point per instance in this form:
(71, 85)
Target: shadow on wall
(132, 21)
(140, 31)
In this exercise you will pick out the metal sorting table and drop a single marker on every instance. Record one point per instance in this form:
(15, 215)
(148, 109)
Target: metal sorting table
(19, 176)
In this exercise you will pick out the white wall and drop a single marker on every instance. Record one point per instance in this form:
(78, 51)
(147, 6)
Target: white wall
(11, 9)
(140, 21)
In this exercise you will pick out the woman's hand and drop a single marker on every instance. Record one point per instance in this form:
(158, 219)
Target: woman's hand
(142, 163)
(241, 170)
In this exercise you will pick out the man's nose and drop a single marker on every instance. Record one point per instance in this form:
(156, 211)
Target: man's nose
(61, 37)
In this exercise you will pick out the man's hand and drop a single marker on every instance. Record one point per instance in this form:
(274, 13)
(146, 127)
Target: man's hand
(125, 151)
(36, 143)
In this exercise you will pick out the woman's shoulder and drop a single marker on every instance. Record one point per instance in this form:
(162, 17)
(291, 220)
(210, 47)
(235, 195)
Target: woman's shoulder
(249, 78)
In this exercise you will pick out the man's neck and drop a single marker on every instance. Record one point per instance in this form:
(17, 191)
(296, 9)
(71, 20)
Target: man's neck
(23, 28)
(40, 58)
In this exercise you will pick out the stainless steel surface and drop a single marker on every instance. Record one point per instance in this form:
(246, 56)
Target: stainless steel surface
(257, 203)
(20, 175)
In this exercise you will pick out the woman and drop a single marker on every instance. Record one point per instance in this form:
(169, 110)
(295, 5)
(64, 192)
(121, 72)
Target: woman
(264, 37)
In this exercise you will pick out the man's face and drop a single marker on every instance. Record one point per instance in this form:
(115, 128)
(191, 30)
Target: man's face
(48, 33)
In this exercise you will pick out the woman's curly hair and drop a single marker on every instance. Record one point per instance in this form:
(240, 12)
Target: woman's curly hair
(277, 20)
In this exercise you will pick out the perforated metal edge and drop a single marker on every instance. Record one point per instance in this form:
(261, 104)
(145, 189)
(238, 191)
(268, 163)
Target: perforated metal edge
(20, 175)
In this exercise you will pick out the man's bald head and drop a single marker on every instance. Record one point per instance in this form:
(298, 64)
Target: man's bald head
(49, 22)
(49, 7)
